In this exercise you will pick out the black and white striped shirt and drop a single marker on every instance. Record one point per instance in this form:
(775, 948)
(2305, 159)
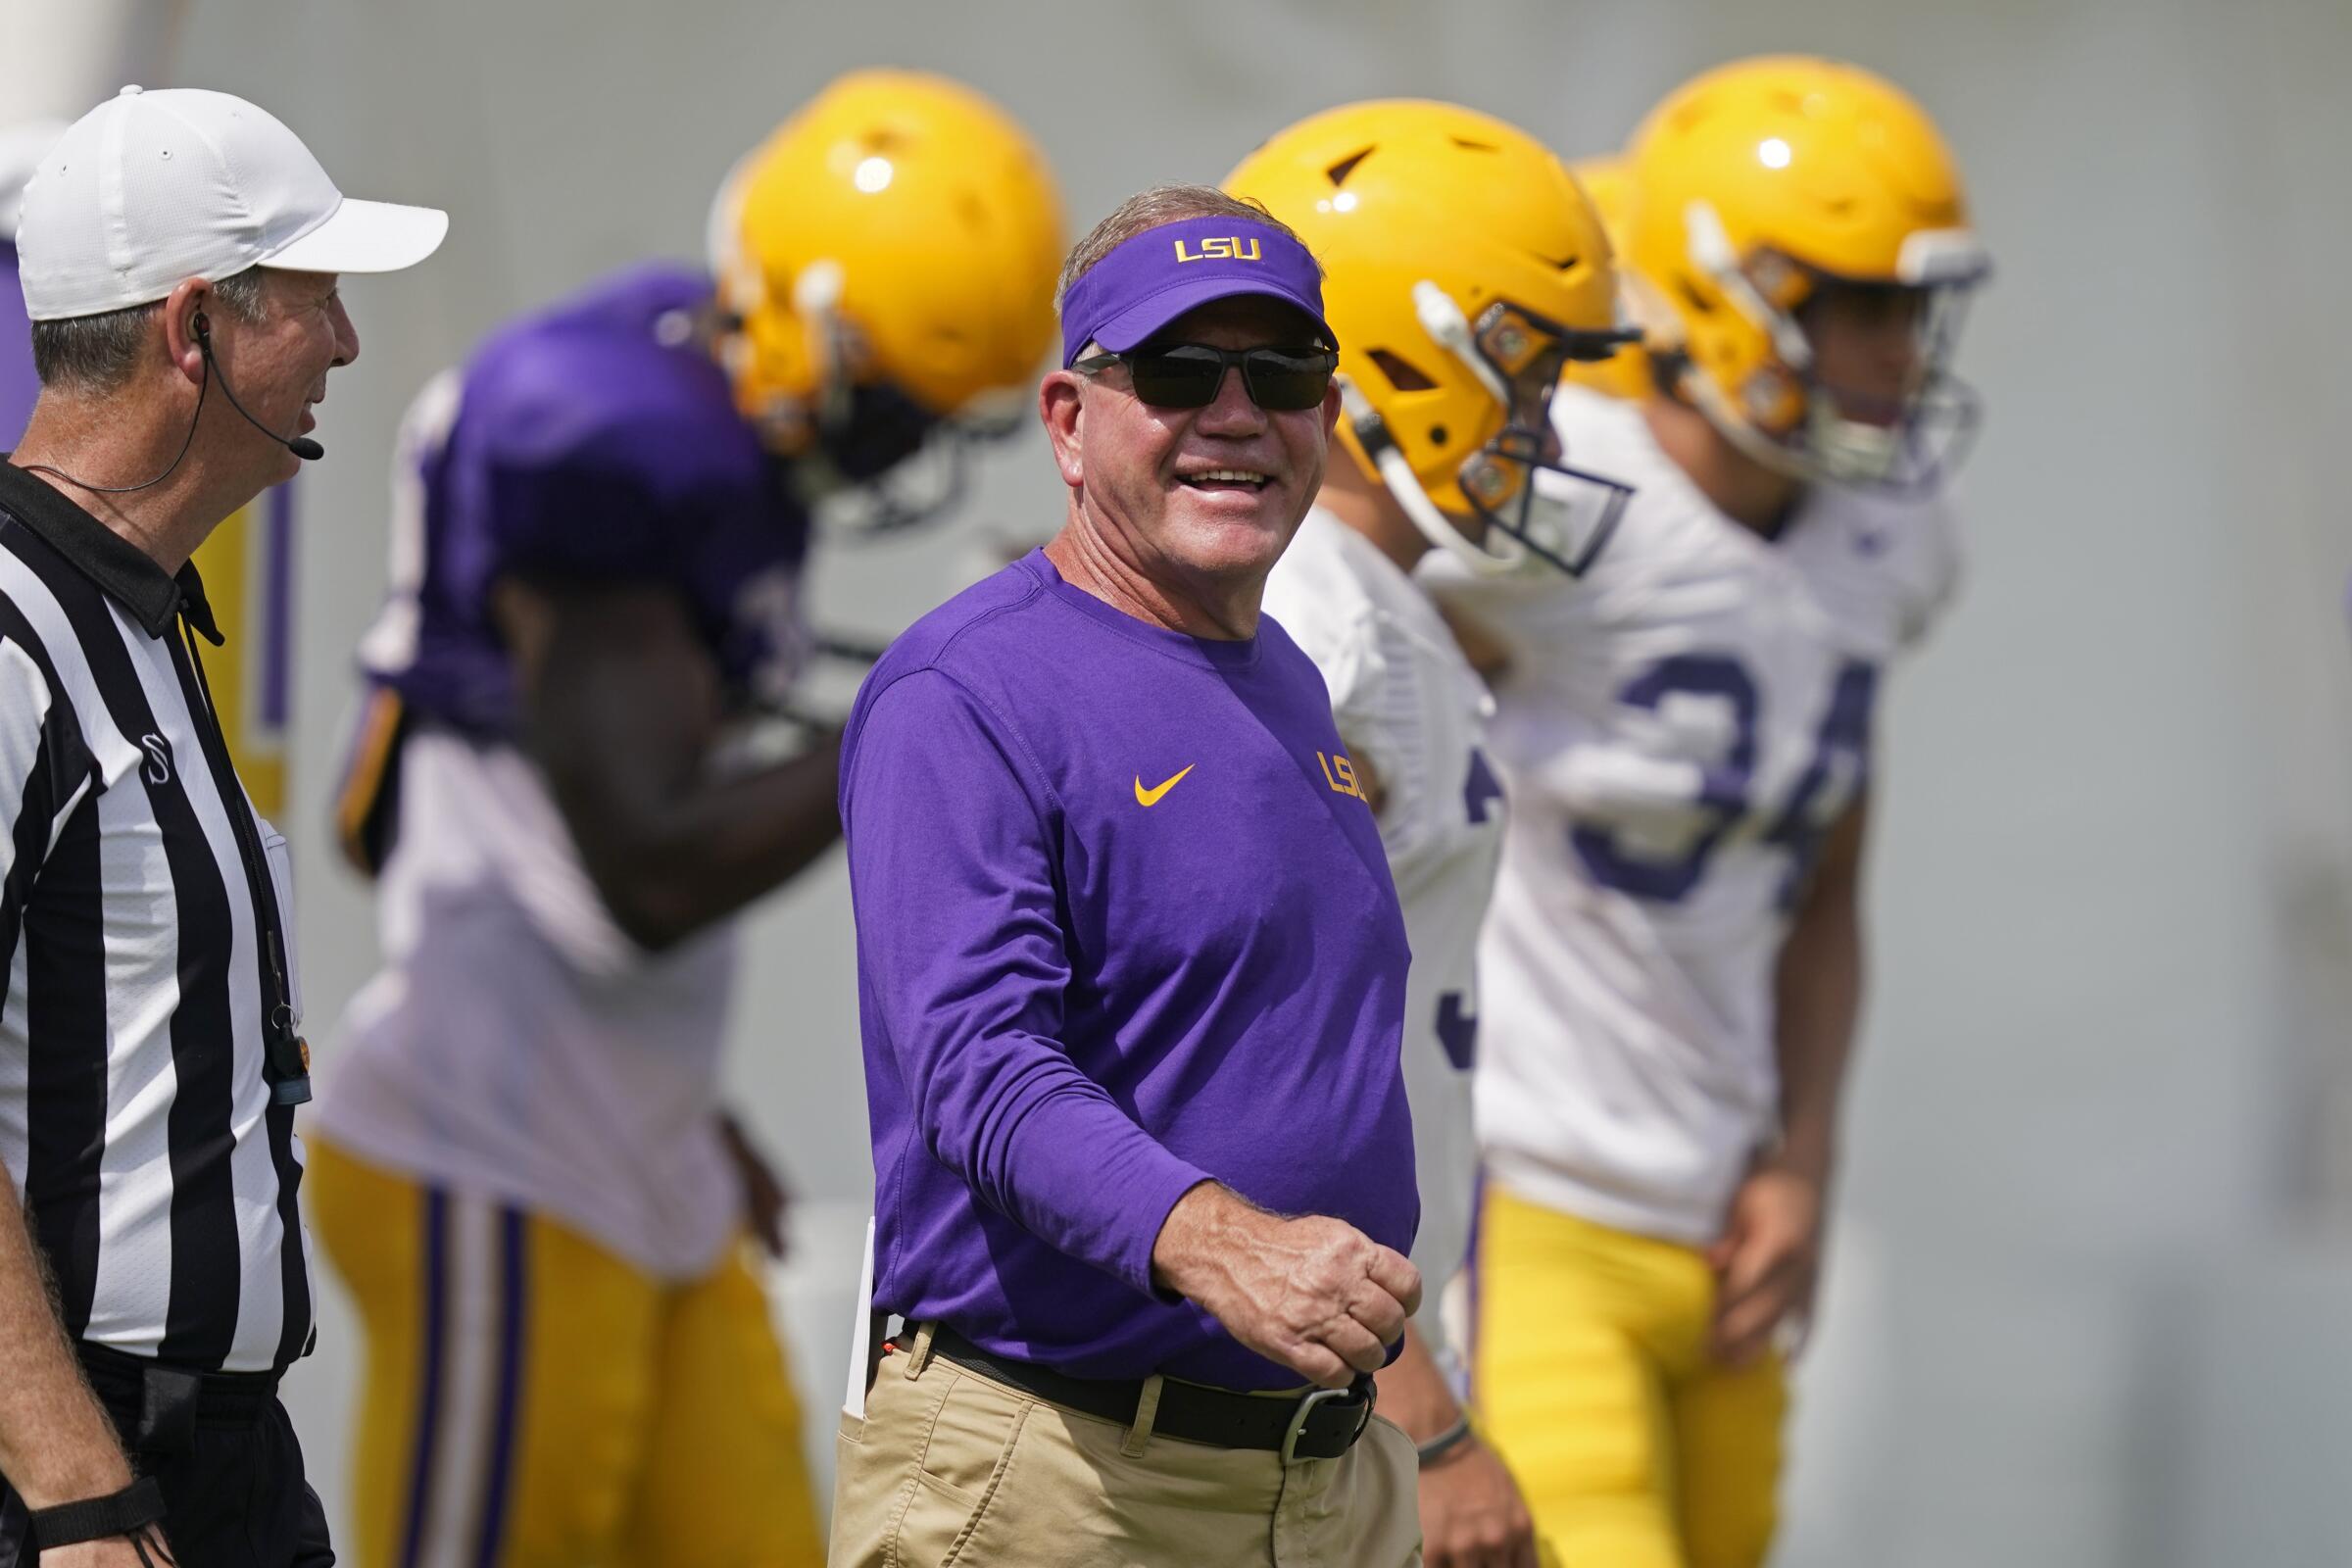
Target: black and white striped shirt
(141, 1120)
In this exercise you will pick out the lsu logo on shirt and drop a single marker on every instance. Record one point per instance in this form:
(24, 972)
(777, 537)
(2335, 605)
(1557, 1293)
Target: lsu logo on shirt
(1227, 249)
(1340, 774)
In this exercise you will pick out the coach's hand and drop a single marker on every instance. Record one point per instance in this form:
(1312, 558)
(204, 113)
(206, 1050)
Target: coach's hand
(1315, 1295)
(1767, 1261)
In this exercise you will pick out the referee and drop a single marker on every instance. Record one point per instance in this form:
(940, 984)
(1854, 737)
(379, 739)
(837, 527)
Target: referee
(179, 253)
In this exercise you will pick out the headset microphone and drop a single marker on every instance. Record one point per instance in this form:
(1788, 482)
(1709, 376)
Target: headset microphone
(302, 446)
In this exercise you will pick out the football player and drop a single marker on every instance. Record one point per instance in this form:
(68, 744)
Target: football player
(1672, 962)
(523, 1170)
(1462, 269)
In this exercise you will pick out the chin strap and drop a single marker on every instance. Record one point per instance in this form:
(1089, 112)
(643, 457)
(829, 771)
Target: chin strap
(1734, 427)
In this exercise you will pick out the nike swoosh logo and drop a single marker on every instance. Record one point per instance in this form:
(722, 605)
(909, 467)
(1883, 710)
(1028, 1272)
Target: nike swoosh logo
(1150, 796)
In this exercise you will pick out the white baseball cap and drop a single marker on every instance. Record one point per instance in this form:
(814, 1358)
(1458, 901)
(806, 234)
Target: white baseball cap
(152, 187)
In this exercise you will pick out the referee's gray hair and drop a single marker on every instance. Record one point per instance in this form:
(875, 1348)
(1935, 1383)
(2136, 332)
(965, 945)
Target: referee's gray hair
(98, 352)
(1150, 209)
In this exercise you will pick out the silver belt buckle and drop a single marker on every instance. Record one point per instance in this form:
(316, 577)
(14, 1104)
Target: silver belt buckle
(1306, 1405)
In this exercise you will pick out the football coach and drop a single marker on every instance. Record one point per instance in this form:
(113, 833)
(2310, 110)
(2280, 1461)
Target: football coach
(1131, 979)
(179, 255)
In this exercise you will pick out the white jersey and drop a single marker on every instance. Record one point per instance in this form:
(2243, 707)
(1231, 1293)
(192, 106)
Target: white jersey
(516, 1045)
(1677, 729)
(1405, 702)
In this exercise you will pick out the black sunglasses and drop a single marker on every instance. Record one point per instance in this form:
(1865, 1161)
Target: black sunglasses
(1187, 375)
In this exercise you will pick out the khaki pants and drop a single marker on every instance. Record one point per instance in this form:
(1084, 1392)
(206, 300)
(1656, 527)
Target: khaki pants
(952, 1468)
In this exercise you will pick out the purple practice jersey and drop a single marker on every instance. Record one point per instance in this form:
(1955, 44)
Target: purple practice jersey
(594, 442)
(18, 386)
(1124, 923)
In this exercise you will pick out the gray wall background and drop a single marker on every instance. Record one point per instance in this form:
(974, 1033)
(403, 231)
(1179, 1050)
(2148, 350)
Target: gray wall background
(2091, 1279)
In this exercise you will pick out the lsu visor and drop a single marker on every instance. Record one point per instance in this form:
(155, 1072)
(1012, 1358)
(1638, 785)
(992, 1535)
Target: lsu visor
(1147, 282)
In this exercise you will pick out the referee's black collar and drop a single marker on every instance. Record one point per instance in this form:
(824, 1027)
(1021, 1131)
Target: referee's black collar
(120, 568)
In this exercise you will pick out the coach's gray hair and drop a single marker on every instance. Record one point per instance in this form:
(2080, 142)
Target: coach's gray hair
(1150, 209)
(98, 352)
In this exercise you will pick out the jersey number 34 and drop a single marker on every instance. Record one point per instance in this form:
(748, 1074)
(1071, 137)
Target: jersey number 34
(1725, 792)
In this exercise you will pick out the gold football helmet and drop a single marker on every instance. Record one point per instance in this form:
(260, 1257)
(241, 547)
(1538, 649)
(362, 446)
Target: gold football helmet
(1463, 269)
(885, 264)
(1758, 185)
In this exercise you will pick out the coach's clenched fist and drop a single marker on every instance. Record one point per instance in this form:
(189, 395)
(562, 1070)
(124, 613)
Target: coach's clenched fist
(1315, 1294)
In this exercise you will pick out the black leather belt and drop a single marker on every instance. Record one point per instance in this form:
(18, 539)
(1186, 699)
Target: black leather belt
(1319, 1424)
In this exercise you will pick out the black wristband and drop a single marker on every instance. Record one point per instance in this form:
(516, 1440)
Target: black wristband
(1445, 1443)
(120, 1513)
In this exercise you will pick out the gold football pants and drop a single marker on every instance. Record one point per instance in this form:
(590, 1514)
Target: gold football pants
(531, 1400)
(1634, 1448)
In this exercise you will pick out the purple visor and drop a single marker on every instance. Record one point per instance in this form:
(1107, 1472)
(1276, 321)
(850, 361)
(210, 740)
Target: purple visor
(1151, 280)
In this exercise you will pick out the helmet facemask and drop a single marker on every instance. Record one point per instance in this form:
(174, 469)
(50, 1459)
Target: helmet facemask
(1909, 444)
(1531, 506)
(862, 454)
(1789, 416)
(893, 465)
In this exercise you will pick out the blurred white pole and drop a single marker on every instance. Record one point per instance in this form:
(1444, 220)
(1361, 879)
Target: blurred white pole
(65, 55)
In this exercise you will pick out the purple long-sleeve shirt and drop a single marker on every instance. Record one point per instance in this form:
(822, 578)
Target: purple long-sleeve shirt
(1123, 924)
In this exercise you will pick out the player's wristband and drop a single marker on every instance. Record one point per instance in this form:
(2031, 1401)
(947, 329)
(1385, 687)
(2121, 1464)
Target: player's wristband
(1445, 1443)
(120, 1513)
